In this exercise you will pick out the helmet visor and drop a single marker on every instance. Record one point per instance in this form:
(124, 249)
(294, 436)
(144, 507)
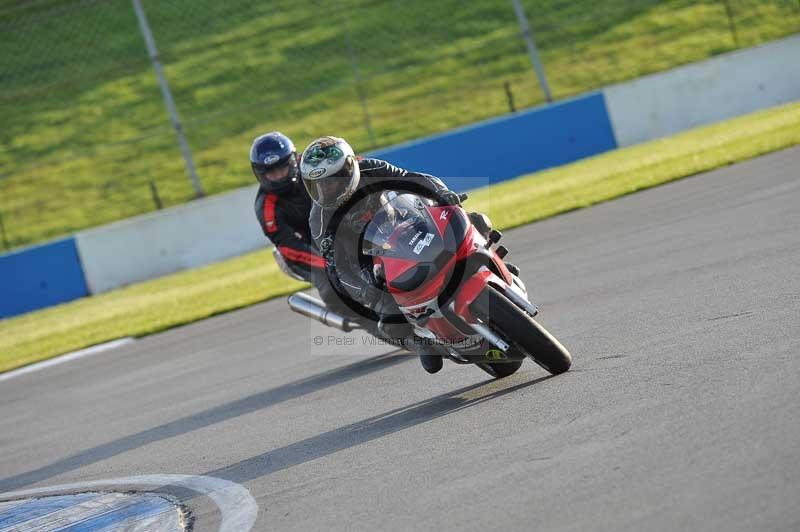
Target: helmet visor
(275, 174)
(333, 190)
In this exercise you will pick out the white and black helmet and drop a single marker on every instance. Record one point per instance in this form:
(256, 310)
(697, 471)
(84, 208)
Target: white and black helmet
(330, 171)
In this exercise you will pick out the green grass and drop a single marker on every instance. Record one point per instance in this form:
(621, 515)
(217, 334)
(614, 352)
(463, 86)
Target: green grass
(85, 131)
(185, 297)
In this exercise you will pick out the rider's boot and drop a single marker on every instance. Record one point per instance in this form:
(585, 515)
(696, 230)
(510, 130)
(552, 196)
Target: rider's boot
(401, 334)
(429, 356)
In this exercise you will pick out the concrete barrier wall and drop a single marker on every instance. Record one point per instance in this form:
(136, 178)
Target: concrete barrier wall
(162, 242)
(40, 276)
(723, 87)
(507, 147)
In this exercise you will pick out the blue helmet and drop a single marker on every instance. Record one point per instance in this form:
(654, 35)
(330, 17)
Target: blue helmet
(274, 161)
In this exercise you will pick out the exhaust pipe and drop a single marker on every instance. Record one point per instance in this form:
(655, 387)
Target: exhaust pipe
(315, 309)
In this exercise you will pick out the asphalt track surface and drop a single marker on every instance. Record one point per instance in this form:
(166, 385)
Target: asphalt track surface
(680, 305)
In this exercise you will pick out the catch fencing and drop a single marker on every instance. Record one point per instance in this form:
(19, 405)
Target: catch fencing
(87, 137)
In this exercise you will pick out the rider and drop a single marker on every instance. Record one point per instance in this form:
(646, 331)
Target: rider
(332, 174)
(283, 207)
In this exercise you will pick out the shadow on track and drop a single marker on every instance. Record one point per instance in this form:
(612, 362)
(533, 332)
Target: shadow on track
(363, 431)
(206, 418)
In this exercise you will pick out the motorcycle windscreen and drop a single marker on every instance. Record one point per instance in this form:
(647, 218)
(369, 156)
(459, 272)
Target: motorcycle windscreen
(404, 229)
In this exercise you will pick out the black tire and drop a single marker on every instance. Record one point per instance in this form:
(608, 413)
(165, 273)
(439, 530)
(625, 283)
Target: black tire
(500, 370)
(501, 314)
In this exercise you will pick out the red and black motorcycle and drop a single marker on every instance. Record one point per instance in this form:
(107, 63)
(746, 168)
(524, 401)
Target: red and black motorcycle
(451, 283)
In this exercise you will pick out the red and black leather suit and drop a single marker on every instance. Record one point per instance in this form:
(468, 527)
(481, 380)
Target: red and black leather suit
(284, 216)
(284, 219)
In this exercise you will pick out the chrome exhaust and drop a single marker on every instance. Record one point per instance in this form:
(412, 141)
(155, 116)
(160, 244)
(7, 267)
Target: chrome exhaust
(315, 309)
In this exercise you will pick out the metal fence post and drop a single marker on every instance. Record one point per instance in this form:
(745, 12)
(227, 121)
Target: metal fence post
(731, 23)
(510, 97)
(3, 233)
(527, 34)
(362, 95)
(156, 198)
(168, 101)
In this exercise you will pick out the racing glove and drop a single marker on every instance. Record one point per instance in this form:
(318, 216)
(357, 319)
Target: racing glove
(369, 294)
(448, 197)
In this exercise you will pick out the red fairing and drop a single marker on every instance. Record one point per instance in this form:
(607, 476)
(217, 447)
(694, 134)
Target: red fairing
(469, 292)
(503, 269)
(442, 215)
(470, 289)
(394, 268)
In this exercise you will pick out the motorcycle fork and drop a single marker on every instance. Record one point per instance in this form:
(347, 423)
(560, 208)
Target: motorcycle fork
(481, 269)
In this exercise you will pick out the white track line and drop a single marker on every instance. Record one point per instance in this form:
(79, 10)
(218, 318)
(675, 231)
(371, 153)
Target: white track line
(89, 351)
(238, 508)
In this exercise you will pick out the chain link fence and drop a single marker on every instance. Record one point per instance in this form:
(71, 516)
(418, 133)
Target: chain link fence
(86, 137)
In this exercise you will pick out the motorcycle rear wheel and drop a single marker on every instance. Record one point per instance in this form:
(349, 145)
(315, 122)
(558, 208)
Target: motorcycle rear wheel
(501, 314)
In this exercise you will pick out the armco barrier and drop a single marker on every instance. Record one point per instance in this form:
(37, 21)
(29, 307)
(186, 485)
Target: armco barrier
(701, 93)
(40, 276)
(163, 242)
(511, 146)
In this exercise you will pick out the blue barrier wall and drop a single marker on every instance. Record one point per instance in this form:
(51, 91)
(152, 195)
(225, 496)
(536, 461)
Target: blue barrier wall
(39, 277)
(511, 146)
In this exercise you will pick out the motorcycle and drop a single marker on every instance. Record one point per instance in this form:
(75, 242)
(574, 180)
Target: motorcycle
(451, 284)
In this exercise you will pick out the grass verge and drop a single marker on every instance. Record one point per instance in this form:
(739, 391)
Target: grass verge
(193, 295)
(82, 114)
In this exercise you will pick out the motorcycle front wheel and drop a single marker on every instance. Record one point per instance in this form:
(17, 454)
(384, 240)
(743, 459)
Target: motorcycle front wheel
(502, 315)
(500, 370)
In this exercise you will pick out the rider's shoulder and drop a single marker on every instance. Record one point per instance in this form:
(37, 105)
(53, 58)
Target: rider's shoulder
(261, 196)
(371, 164)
